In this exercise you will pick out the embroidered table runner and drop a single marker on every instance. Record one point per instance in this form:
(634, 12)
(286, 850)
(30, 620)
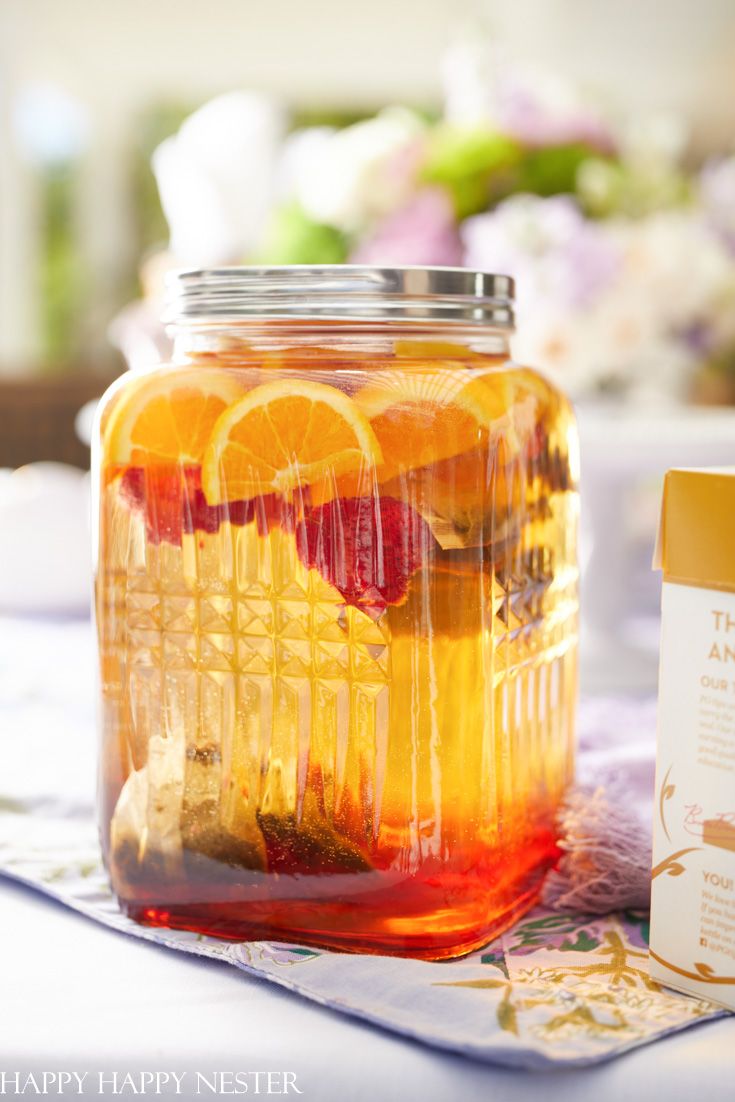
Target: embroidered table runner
(556, 990)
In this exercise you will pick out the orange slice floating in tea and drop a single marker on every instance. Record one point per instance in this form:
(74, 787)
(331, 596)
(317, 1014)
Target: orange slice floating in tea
(437, 350)
(445, 434)
(285, 435)
(157, 431)
(423, 415)
(168, 418)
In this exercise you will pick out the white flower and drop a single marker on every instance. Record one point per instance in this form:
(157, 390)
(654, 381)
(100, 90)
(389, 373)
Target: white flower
(482, 85)
(626, 303)
(301, 158)
(215, 177)
(344, 177)
(658, 138)
(677, 264)
(717, 192)
(547, 245)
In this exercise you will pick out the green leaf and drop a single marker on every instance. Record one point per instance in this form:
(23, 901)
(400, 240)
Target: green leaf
(497, 960)
(641, 920)
(560, 924)
(583, 944)
(553, 169)
(470, 163)
(294, 238)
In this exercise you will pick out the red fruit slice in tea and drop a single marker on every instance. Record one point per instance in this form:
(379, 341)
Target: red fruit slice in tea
(366, 547)
(158, 491)
(173, 503)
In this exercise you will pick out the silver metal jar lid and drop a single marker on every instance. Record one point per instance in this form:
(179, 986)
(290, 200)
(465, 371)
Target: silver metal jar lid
(340, 292)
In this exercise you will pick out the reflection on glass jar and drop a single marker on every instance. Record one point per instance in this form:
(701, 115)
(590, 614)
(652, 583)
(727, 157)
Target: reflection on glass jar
(337, 611)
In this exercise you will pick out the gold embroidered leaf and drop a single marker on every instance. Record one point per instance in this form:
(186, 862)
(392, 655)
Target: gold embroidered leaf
(507, 1017)
(475, 983)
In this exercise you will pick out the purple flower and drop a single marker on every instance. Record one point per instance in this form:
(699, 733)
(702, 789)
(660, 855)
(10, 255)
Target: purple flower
(531, 119)
(548, 245)
(717, 190)
(534, 105)
(423, 231)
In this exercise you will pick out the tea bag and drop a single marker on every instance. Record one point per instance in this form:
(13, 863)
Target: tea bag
(146, 825)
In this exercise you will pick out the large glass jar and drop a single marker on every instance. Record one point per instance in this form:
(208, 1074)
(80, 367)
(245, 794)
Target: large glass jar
(337, 613)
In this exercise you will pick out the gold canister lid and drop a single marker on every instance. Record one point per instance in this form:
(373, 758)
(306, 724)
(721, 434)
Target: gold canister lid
(696, 536)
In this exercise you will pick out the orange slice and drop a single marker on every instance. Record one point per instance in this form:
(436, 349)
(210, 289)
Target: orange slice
(168, 417)
(436, 350)
(283, 435)
(423, 415)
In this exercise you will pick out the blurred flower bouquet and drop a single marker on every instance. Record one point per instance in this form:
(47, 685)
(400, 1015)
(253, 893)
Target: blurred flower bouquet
(625, 261)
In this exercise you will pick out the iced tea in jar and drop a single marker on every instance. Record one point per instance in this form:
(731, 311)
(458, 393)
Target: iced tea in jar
(337, 613)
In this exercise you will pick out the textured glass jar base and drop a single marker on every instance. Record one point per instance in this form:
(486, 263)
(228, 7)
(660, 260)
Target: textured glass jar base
(430, 918)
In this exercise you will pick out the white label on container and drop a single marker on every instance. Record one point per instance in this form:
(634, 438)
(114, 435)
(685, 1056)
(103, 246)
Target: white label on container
(693, 887)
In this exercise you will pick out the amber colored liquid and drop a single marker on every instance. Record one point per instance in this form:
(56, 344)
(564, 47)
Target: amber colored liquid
(280, 763)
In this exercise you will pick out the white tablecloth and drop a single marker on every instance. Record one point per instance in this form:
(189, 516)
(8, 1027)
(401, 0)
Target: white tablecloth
(95, 1001)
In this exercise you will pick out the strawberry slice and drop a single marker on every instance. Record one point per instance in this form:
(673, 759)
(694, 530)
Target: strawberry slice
(365, 547)
(173, 503)
(157, 492)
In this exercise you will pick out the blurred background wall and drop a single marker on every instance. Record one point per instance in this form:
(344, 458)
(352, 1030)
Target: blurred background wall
(89, 88)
